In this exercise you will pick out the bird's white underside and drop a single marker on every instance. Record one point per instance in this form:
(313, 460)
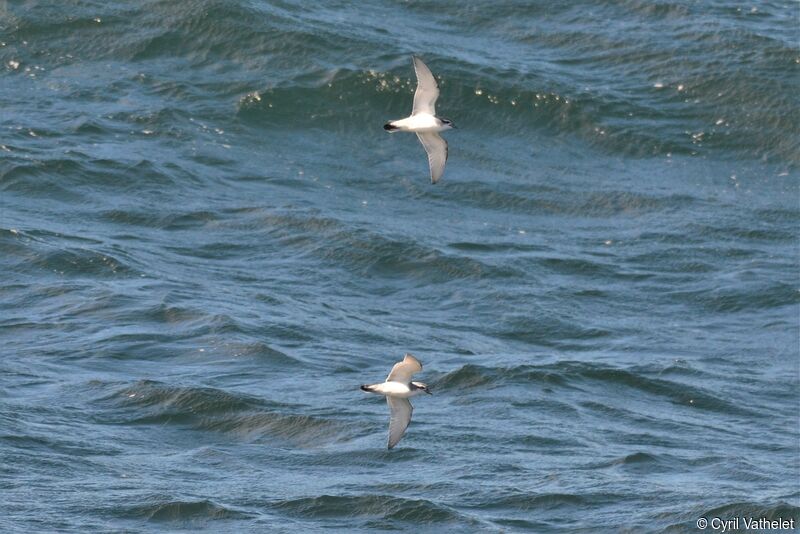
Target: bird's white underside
(394, 389)
(422, 122)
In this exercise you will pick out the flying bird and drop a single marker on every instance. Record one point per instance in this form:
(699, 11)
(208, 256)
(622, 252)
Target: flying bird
(424, 122)
(397, 389)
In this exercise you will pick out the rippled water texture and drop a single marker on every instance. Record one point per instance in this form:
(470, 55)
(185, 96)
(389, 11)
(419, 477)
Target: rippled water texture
(207, 242)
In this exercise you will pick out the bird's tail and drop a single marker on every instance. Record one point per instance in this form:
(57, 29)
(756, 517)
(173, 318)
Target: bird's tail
(389, 127)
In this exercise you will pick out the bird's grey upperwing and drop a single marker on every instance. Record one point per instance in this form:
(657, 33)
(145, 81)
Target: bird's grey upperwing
(427, 89)
(403, 371)
(400, 418)
(436, 147)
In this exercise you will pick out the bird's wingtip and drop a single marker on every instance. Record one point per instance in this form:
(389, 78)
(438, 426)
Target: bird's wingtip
(408, 355)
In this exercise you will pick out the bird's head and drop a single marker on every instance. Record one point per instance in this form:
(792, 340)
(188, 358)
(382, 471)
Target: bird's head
(421, 387)
(448, 124)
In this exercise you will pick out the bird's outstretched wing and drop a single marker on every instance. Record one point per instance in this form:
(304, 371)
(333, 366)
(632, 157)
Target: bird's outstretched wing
(400, 418)
(436, 147)
(403, 371)
(427, 89)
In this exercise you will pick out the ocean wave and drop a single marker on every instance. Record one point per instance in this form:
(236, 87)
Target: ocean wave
(582, 375)
(739, 297)
(63, 254)
(632, 92)
(300, 430)
(74, 176)
(384, 507)
(178, 510)
(472, 376)
(546, 501)
(164, 400)
(372, 253)
(647, 463)
(209, 409)
(737, 234)
(41, 179)
(549, 330)
(526, 199)
(632, 126)
(171, 221)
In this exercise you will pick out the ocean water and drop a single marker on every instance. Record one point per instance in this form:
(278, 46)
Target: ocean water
(207, 243)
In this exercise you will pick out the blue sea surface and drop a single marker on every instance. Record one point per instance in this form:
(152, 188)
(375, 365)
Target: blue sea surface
(207, 243)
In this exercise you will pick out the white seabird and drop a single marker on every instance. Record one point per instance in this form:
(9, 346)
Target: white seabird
(424, 122)
(397, 389)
